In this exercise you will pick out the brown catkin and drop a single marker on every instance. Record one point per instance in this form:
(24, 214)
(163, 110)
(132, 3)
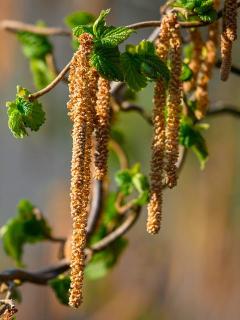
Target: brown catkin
(174, 102)
(158, 142)
(82, 88)
(196, 59)
(205, 73)
(102, 128)
(229, 34)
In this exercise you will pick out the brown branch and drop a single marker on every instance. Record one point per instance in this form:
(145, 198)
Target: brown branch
(52, 85)
(16, 26)
(219, 110)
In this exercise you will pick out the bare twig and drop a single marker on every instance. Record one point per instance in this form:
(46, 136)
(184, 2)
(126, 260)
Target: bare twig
(16, 26)
(219, 110)
(51, 85)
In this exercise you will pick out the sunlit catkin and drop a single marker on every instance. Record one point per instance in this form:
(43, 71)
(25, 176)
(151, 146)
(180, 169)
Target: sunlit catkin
(229, 34)
(174, 104)
(205, 73)
(82, 88)
(196, 59)
(158, 142)
(102, 128)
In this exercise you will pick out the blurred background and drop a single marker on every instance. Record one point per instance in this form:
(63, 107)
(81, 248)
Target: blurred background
(191, 270)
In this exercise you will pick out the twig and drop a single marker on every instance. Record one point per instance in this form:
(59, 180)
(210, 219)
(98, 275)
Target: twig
(16, 26)
(52, 85)
(218, 110)
(42, 277)
(117, 149)
(96, 206)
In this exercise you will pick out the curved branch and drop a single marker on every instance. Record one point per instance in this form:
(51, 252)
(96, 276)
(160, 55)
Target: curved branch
(225, 109)
(52, 85)
(42, 277)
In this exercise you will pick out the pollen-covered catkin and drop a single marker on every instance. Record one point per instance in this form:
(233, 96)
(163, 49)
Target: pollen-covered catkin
(229, 34)
(102, 128)
(205, 73)
(174, 104)
(196, 59)
(158, 142)
(82, 88)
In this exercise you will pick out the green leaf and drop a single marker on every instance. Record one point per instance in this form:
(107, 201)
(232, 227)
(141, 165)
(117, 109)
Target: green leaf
(61, 286)
(190, 137)
(28, 226)
(107, 62)
(78, 18)
(186, 73)
(79, 30)
(99, 25)
(42, 76)
(112, 36)
(34, 46)
(132, 72)
(23, 114)
(102, 262)
(209, 16)
(132, 179)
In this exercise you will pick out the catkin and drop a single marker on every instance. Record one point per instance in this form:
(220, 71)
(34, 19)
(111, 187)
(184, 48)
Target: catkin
(102, 128)
(173, 104)
(196, 59)
(205, 73)
(158, 142)
(229, 34)
(82, 88)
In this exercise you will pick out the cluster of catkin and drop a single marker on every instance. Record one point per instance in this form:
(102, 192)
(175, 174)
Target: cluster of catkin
(228, 36)
(89, 109)
(166, 128)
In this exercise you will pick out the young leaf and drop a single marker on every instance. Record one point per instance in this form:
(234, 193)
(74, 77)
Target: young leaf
(132, 179)
(190, 137)
(28, 226)
(42, 76)
(34, 46)
(112, 36)
(79, 30)
(107, 62)
(78, 18)
(61, 286)
(99, 25)
(105, 260)
(132, 72)
(23, 114)
(186, 73)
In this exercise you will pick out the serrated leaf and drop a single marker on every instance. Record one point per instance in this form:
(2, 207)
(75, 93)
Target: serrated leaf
(132, 179)
(154, 68)
(209, 16)
(28, 226)
(78, 18)
(107, 63)
(79, 30)
(132, 72)
(113, 36)
(100, 24)
(23, 114)
(61, 286)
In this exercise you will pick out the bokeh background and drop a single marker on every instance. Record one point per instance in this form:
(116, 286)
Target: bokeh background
(191, 270)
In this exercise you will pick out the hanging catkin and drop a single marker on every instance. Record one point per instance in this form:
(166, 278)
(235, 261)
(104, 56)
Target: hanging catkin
(158, 143)
(196, 59)
(102, 128)
(205, 73)
(173, 104)
(82, 88)
(229, 34)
